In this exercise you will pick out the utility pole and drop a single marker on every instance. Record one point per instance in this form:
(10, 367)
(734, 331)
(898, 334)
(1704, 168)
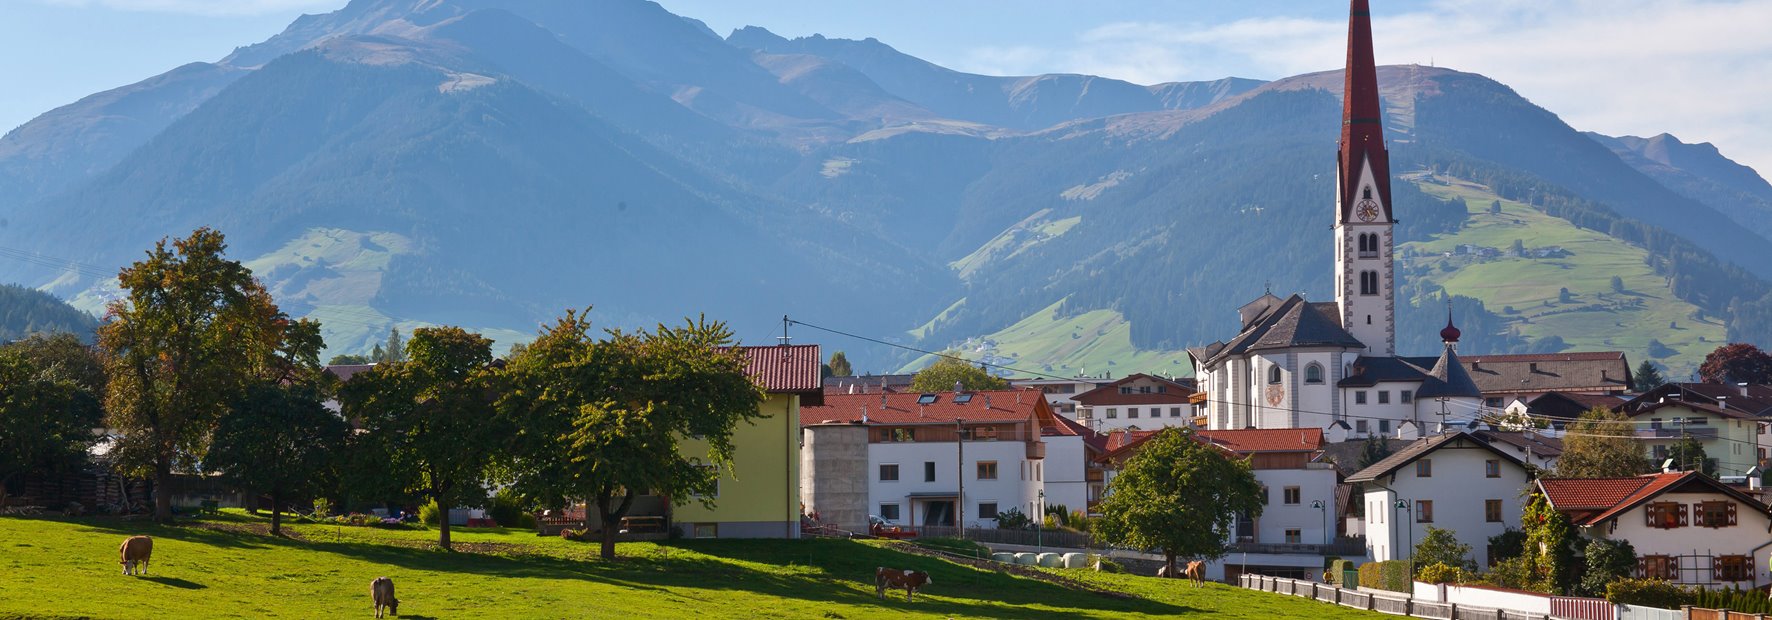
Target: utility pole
(960, 476)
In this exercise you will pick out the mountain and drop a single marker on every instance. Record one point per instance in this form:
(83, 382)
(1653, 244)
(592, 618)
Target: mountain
(1699, 172)
(25, 311)
(490, 163)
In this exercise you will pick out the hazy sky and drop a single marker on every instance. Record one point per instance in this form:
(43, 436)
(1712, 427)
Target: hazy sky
(1699, 69)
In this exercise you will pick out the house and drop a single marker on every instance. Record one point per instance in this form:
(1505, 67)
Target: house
(760, 496)
(1525, 377)
(868, 384)
(1137, 401)
(1558, 408)
(1453, 481)
(1531, 447)
(1729, 432)
(1297, 527)
(1060, 393)
(939, 459)
(1685, 526)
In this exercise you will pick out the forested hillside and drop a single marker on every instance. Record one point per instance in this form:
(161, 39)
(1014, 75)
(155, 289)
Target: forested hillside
(25, 311)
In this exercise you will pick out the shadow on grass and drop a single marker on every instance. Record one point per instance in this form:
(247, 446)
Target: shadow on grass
(184, 532)
(175, 582)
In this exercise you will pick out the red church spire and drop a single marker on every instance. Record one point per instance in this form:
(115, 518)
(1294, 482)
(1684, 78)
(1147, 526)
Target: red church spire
(1362, 120)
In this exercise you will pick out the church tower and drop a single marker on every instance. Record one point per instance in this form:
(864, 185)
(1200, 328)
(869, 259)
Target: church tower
(1364, 267)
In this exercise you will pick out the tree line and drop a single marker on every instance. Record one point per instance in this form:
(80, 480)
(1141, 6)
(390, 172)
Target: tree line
(198, 371)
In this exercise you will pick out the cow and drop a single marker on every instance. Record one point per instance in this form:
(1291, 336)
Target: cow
(135, 549)
(1196, 573)
(910, 580)
(382, 591)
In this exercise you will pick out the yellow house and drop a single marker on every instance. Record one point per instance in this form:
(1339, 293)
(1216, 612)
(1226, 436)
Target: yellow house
(760, 496)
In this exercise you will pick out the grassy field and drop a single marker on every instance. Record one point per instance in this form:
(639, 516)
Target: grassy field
(1595, 317)
(58, 568)
(1093, 342)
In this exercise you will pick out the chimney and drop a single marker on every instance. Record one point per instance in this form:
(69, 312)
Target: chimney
(864, 414)
(1743, 386)
(920, 413)
(1534, 367)
(987, 401)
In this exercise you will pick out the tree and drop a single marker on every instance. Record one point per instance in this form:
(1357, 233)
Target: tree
(1439, 546)
(840, 365)
(1564, 296)
(348, 360)
(1181, 495)
(46, 420)
(1601, 444)
(277, 440)
(432, 416)
(1648, 377)
(1736, 362)
(188, 336)
(1607, 561)
(1688, 455)
(1518, 248)
(1509, 544)
(1617, 284)
(1550, 552)
(1495, 207)
(395, 350)
(603, 420)
(944, 373)
(377, 354)
(64, 356)
(1377, 448)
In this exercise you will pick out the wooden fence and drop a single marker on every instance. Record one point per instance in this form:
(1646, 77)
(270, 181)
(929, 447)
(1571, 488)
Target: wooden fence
(1696, 613)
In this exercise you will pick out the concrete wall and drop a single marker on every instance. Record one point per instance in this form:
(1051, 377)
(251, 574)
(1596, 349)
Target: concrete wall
(834, 474)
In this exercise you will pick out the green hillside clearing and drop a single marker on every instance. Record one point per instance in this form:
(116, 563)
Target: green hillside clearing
(1595, 317)
(228, 568)
(1094, 342)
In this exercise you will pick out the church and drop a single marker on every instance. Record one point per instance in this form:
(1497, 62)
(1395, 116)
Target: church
(1333, 365)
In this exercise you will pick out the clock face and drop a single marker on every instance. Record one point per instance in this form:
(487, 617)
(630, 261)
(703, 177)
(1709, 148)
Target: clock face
(1367, 210)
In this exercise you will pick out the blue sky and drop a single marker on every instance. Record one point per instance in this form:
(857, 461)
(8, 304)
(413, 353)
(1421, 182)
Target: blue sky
(1700, 69)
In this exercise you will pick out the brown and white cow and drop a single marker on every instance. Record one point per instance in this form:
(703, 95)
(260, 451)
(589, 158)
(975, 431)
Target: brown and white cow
(382, 590)
(910, 580)
(135, 549)
(1196, 573)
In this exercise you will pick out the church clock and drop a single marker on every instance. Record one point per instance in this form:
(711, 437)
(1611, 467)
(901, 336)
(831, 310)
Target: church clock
(1367, 210)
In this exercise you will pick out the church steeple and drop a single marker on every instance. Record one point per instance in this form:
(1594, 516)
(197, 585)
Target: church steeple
(1365, 272)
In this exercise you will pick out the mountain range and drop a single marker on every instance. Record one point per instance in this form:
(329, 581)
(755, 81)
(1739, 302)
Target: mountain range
(488, 164)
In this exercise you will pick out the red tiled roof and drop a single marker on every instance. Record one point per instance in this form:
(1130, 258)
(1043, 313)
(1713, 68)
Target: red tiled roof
(1247, 441)
(786, 368)
(1590, 501)
(990, 406)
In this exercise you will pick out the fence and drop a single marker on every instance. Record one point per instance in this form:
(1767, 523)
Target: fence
(1025, 538)
(1401, 604)
(1695, 613)
(1632, 612)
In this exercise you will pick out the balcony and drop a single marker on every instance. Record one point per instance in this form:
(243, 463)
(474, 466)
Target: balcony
(1345, 547)
(1036, 450)
(1673, 432)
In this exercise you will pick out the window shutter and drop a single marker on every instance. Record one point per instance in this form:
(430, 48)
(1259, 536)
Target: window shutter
(1650, 512)
(1747, 568)
(1642, 568)
(1717, 568)
(1731, 514)
(1684, 520)
(1697, 514)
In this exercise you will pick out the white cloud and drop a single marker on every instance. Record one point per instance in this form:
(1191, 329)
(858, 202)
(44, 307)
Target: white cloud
(1698, 69)
(202, 7)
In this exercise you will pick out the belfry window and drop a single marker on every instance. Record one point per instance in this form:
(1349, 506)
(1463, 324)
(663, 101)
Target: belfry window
(1366, 194)
(1368, 245)
(1273, 374)
(1368, 283)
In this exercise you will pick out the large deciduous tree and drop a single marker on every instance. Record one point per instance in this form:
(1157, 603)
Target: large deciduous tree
(1181, 495)
(432, 416)
(947, 372)
(278, 438)
(605, 419)
(1737, 362)
(190, 333)
(1601, 444)
(46, 420)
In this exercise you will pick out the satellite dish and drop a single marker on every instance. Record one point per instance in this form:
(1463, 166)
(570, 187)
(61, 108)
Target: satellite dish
(1667, 465)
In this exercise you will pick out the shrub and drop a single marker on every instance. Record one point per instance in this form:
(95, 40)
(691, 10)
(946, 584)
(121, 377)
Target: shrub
(1648, 593)
(1014, 519)
(1440, 572)
(1392, 575)
(1440, 546)
(322, 507)
(1515, 572)
(1607, 561)
(1337, 568)
(576, 535)
(507, 509)
(1107, 564)
(430, 515)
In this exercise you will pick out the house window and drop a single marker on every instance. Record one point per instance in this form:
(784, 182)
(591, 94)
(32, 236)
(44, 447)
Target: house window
(1360, 426)
(1658, 567)
(987, 470)
(1384, 426)
(889, 512)
(1313, 373)
(929, 471)
(707, 530)
(1266, 496)
(1666, 515)
(1294, 537)
(896, 435)
(1360, 397)
(1175, 412)
(1384, 397)
(987, 510)
(889, 473)
(1408, 396)
(1492, 468)
(1424, 511)
(1131, 412)
(1713, 514)
(1733, 568)
(1273, 374)
(1291, 495)
(1126, 389)
(1424, 468)
(1113, 413)
(1492, 510)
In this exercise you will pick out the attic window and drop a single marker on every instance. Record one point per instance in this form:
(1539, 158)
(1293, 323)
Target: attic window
(926, 399)
(961, 399)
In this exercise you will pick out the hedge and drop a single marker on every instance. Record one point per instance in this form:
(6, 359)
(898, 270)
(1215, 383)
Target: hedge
(1335, 570)
(1392, 575)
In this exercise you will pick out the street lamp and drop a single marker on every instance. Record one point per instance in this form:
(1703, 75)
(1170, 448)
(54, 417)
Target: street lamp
(1040, 523)
(1319, 505)
(1404, 504)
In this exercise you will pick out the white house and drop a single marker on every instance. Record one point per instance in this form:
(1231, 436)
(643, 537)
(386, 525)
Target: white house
(945, 458)
(1138, 401)
(1685, 526)
(1453, 481)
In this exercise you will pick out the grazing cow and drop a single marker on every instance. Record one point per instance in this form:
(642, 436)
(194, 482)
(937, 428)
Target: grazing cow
(1196, 573)
(382, 590)
(135, 549)
(910, 580)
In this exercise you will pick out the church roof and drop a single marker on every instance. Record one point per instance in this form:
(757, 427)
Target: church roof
(1292, 323)
(1362, 119)
(1448, 378)
(1371, 370)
